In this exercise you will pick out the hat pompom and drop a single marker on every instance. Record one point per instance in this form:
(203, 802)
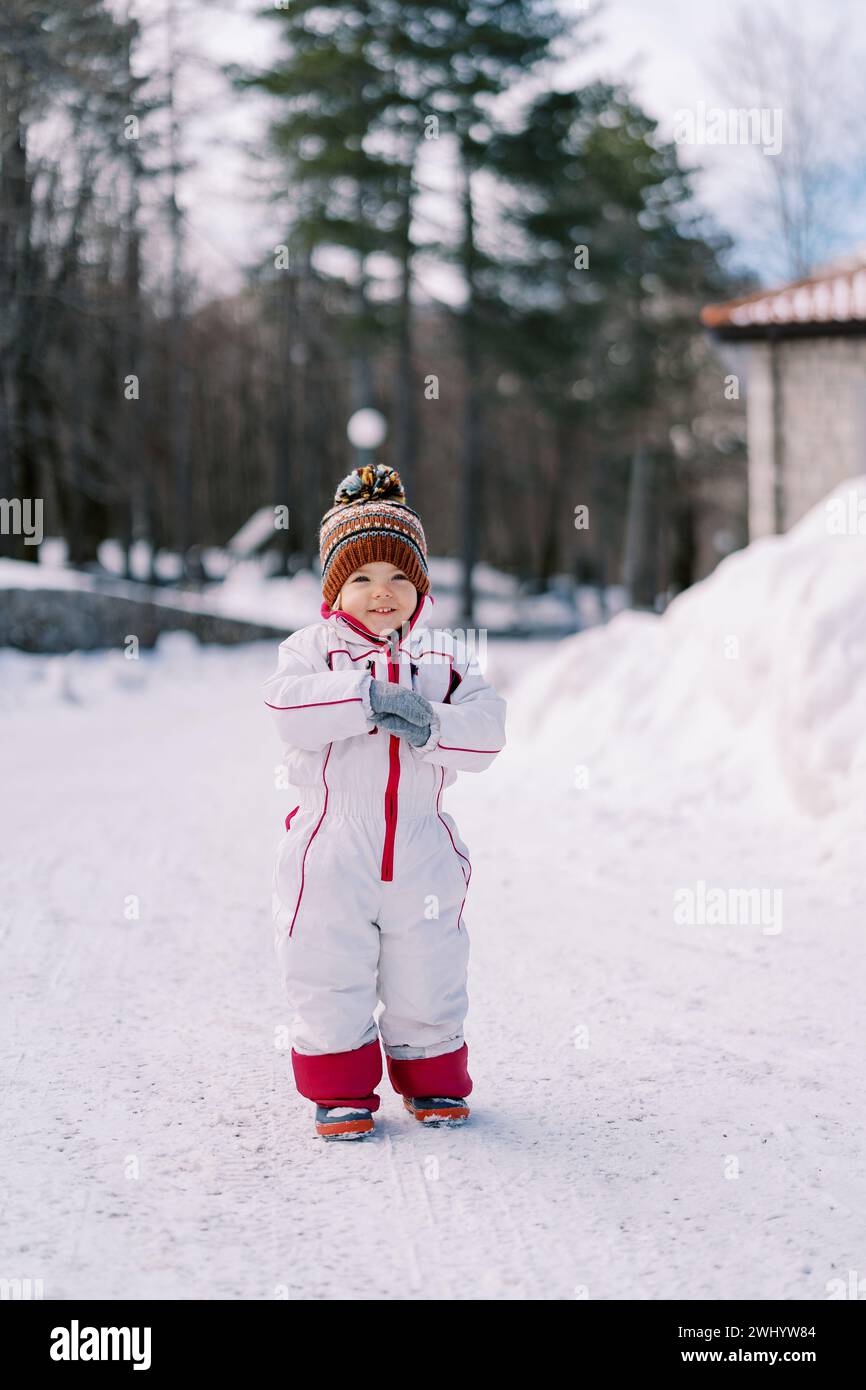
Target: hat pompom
(374, 482)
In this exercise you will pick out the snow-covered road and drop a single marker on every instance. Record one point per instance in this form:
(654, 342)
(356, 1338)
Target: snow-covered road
(660, 1110)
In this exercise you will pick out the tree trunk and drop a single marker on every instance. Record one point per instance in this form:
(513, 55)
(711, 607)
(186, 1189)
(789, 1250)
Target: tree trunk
(287, 302)
(132, 507)
(16, 477)
(640, 563)
(555, 491)
(179, 412)
(405, 430)
(471, 433)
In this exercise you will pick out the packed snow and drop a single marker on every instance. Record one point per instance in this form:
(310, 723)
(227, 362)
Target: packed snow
(665, 1030)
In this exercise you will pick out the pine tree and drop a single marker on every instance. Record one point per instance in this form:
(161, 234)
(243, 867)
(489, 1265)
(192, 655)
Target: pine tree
(470, 53)
(335, 85)
(601, 281)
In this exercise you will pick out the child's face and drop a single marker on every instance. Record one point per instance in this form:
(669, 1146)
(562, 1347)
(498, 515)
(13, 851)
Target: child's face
(376, 586)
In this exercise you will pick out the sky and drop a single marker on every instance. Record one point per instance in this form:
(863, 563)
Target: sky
(675, 56)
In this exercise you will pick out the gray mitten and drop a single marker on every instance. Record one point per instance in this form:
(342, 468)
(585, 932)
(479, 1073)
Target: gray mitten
(386, 697)
(416, 734)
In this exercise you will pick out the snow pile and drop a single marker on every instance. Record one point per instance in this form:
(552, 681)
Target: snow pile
(23, 574)
(750, 688)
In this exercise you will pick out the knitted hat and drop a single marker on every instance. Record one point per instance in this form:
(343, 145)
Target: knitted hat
(371, 520)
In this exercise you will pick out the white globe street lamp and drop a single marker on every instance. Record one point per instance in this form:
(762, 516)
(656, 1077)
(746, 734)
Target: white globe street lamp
(366, 429)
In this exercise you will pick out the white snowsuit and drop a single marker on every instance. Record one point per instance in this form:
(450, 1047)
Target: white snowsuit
(371, 876)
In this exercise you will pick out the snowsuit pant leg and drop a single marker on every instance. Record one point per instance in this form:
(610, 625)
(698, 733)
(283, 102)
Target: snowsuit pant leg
(326, 883)
(424, 959)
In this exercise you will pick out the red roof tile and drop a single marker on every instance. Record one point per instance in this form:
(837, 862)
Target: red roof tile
(834, 296)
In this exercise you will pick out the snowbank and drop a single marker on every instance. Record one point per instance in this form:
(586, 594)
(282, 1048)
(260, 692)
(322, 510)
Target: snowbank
(750, 687)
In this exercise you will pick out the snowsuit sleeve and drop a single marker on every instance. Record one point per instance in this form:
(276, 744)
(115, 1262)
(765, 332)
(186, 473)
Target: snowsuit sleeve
(468, 731)
(312, 705)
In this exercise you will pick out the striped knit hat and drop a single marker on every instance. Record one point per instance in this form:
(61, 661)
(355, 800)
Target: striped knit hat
(371, 520)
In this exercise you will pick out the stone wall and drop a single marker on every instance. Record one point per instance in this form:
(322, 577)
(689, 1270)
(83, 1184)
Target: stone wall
(823, 411)
(65, 620)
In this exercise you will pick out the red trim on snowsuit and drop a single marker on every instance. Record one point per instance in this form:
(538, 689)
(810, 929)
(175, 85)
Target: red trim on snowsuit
(350, 1078)
(314, 704)
(456, 748)
(312, 837)
(391, 790)
(344, 651)
(340, 1078)
(391, 796)
(445, 1075)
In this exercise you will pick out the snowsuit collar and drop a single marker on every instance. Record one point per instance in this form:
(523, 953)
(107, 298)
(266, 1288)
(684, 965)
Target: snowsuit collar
(351, 627)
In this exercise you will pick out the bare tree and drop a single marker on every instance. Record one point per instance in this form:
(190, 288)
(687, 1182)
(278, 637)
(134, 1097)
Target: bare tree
(805, 198)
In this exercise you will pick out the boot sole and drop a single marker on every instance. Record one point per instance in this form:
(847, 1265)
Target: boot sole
(454, 1113)
(344, 1129)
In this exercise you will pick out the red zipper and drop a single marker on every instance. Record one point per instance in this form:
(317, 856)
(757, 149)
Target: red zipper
(391, 791)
